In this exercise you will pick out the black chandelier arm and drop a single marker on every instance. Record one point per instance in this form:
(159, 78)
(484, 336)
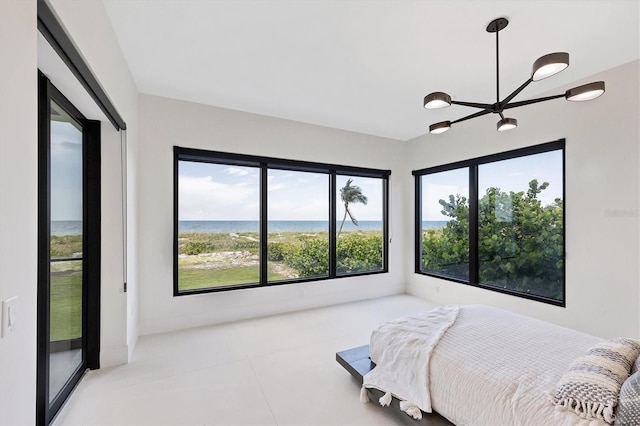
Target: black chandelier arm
(515, 93)
(472, 104)
(477, 114)
(532, 101)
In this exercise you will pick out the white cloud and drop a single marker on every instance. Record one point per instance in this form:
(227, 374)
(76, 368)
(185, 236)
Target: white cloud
(202, 198)
(276, 187)
(235, 171)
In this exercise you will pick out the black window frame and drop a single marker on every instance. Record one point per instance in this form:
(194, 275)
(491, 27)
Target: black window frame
(473, 165)
(264, 164)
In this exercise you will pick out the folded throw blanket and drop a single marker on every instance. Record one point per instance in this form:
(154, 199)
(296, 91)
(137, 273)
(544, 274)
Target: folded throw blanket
(401, 350)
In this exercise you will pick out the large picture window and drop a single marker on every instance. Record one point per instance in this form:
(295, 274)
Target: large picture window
(496, 222)
(244, 221)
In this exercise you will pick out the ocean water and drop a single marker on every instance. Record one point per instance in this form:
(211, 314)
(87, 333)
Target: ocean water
(60, 228)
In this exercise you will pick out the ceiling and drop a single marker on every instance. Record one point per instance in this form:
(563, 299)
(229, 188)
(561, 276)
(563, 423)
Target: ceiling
(363, 66)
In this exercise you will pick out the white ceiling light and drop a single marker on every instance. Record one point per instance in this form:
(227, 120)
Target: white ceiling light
(543, 67)
(586, 92)
(507, 124)
(548, 65)
(436, 129)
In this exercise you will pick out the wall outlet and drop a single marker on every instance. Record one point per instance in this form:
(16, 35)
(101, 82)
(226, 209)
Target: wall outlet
(9, 315)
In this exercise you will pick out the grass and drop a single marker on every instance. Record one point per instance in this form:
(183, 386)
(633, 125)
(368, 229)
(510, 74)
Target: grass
(191, 279)
(66, 306)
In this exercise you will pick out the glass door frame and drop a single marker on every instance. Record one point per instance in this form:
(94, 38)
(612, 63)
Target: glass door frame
(45, 410)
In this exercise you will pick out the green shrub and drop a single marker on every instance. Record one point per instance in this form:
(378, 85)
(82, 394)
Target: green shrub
(311, 259)
(358, 253)
(520, 241)
(276, 251)
(195, 247)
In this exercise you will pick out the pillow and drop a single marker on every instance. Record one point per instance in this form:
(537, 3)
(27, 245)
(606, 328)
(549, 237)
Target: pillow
(636, 366)
(628, 413)
(593, 382)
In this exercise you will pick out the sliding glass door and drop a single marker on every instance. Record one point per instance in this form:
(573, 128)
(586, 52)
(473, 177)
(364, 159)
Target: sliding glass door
(68, 263)
(65, 249)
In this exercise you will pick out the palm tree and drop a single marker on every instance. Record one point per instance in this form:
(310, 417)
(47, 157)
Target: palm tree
(349, 195)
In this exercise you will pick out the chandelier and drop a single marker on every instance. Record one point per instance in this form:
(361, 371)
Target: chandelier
(543, 67)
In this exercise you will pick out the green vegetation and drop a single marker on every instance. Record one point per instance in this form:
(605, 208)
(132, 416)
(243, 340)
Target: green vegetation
(191, 279)
(221, 259)
(520, 241)
(66, 305)
(66, 246)
(197, 243)
(359, 253)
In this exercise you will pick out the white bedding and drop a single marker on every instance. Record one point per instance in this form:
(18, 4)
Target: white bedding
(401, 350)
(494, 367)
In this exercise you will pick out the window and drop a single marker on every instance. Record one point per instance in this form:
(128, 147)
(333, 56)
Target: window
(360, 231)
(245, 221)
(496, 222)
(219, 232)
(298, 213)
(445, 223)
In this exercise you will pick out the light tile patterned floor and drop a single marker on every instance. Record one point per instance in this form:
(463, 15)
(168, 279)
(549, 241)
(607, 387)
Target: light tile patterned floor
(267, 371)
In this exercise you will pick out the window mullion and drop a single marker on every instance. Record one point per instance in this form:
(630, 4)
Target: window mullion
(418, 223)
(385, 224)
(332, 224)
(473, 225)
(264, 223)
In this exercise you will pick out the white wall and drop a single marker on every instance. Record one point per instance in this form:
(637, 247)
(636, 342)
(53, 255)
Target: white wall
(90, 29)
(602, 163)
(18, 206)
(165, 123)
(88, 25)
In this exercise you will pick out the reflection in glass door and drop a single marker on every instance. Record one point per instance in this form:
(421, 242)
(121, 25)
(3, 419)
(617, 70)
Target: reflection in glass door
(65, 281)
(68, 249)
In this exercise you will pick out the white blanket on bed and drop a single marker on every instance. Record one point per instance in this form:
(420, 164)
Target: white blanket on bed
(493, 367)
(402, 349)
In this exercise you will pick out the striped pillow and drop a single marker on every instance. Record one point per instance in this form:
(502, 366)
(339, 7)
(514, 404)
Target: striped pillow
(593, 382)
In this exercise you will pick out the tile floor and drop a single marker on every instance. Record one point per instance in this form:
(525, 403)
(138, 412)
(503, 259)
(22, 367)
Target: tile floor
(278, 370)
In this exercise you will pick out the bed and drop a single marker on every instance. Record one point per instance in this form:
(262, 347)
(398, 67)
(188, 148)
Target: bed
(487, 367)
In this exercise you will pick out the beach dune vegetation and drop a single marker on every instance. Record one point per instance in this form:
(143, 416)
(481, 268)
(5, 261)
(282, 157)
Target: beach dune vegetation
(520, 241)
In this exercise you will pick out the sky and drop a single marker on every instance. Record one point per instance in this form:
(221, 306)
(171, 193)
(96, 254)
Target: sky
(66, 171)
(224, 192)
(508, 175)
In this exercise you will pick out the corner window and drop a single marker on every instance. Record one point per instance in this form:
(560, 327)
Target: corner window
(496, 222)
(445, 223)
(245, 221)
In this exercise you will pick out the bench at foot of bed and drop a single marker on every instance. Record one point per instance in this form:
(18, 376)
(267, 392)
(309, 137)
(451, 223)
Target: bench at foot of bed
(357, 362)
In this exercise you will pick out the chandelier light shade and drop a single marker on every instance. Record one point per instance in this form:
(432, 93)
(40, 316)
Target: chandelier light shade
(437, 100)
(586, 92)
(545, 66)
(548, 65)
(507, 124)
(441, 127)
